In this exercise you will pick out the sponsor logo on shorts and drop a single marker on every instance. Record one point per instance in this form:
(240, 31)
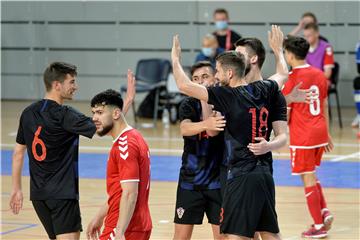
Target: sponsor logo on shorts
(180, 212)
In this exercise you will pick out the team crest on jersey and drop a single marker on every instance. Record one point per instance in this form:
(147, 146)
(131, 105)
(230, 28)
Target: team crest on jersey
(180, 212)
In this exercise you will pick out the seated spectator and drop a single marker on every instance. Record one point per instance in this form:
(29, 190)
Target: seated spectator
(210, 49)
(320, 54)
(225, 36)
(307, 17)
(356, 121)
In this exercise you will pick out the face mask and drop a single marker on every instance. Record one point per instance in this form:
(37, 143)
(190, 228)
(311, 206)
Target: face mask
(221, 25)
(207, 51)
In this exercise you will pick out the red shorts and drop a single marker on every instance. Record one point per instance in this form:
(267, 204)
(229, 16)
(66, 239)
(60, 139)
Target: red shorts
(305, 160)
(109, 234)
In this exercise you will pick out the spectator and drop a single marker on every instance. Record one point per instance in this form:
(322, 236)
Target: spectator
(225, 36)
(356, 121)
(306, 18)
(210, 49)
(320, 54)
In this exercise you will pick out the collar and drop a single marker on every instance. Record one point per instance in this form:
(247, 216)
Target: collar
(302, 66)
(123, 131)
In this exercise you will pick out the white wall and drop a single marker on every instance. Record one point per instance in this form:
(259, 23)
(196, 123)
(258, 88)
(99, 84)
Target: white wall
(104, 39)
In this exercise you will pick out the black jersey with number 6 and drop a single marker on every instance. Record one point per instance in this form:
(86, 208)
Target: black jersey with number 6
(249, 111)
(51, 134)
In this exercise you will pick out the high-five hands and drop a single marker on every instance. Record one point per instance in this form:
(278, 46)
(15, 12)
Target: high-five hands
(176, 49)
(276, 39)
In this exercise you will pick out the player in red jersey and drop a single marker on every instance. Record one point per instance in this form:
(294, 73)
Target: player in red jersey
(309, 135)
(127, 177)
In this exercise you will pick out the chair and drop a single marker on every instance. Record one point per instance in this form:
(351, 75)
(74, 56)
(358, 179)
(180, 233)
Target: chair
(333, 90)
(150, 74)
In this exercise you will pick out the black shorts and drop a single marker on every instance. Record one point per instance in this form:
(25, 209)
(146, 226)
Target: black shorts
(223, 178)
(59, 216)
(249, 204)
(192, 204)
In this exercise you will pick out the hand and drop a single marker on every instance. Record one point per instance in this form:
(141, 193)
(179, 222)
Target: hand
(301, 24)
(259, 148)
(94, 228)
(16, 201)
(176, 49)
(215, 123)
(130, 93)
(330, 146)
(302, 95)
(276, 39)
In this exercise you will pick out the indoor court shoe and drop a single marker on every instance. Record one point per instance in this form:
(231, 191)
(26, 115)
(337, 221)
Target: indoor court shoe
(313, 233)
(328, 220)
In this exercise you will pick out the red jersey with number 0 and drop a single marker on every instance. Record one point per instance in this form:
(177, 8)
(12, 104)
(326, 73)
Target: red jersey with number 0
(129, 161)
(307, 122)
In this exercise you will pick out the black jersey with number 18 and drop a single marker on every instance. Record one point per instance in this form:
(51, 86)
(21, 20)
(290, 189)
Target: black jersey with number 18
(249, 112)
(51, 134)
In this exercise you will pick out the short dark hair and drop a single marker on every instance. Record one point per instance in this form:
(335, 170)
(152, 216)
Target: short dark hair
(255, 46)
(310, 14)
(221, 10)
(233, 60)
(108, 97)
(201, 64)
(297, 46)
(57, 71)
(312, 26)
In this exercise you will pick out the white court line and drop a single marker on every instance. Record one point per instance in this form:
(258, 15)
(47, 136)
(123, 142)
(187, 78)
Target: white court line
(12, 134)
(171, 139)
(340, 158)
(166, 150)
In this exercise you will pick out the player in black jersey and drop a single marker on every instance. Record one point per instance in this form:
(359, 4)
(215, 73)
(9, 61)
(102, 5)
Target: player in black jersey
(251, 111)
(49, 131)
(199, 184)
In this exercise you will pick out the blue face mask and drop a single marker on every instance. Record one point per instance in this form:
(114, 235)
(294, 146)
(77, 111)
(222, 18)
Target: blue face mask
(208, 52)
(221, 25)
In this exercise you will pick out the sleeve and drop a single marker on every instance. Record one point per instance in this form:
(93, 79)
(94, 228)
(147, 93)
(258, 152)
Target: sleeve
(128, 156)
(187, 110)
(278, 109)
(78, 123)
(288, 86)
(221, 98)
(20, 138)
(329, 57)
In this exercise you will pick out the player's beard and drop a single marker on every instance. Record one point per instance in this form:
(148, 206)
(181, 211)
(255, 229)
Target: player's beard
(106, 129)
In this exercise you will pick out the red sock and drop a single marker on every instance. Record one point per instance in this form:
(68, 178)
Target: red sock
(313, 202)
(321, 194)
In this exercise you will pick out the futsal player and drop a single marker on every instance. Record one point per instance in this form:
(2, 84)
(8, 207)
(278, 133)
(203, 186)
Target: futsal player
(198, 189)
(309, 133)
(251, 110)
(126, 211)
(49, 131)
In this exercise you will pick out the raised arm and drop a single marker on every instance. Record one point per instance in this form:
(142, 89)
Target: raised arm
(182, 80)
(130, 93)
(276, 39)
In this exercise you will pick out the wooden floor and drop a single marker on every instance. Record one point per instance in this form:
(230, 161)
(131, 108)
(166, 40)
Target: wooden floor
(292, 211)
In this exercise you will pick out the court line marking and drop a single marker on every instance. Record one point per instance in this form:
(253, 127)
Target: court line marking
(26, 226)
(178, 151)
(341, 158)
